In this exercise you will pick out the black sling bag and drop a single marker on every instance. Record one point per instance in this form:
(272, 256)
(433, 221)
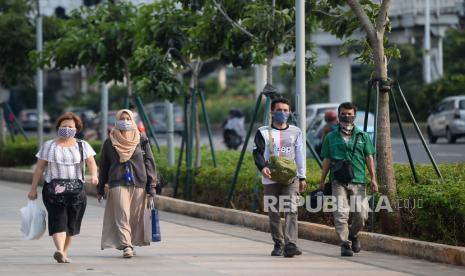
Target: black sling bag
(343, 170)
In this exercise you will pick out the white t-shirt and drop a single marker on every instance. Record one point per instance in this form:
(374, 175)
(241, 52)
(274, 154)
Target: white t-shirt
(287, 143)
(63, 162)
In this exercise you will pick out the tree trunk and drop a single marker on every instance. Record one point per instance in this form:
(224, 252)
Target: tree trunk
(269, 69)
(198, 158)
(194, 85)
(384, 168)
(127, 75)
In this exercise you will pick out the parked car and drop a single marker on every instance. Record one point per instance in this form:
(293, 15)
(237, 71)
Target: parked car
(447, 119)
(318, 123)
(314, 129)
(360, 119)
(112, 121)
(87, 116)
(29, 120)
(156, 112)
(313, 110)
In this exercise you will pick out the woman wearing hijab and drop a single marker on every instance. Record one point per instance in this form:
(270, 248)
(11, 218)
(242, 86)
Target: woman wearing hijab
(127, 166)
(63, 160)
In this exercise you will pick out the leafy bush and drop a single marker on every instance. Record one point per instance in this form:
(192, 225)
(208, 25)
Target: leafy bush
(440, 214)
(22, 152)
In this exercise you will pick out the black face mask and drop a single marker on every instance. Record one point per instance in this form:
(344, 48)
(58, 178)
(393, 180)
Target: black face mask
(346, 123)
(347, 119)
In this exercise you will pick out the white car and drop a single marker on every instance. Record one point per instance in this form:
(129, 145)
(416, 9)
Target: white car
(316, 127)
(313, 110)
(447, 120)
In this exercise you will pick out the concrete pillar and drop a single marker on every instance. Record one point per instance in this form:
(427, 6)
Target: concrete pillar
(84, 83)
(340, 77)
(427, 45)
(260, 79)
(222, 78)
(439, 58)
(437, 67)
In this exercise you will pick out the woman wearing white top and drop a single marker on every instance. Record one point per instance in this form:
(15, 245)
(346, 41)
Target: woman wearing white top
(60, 159)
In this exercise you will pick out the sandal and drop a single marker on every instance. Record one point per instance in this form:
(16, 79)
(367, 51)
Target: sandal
(128, 253)
(58, 256)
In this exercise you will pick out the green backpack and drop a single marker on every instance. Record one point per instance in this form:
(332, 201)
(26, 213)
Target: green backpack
(283, 170)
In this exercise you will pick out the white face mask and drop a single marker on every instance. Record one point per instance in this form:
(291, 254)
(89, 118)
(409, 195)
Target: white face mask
(124, 125)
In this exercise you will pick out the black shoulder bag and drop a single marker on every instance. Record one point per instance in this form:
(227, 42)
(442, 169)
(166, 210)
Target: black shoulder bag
(343, 170)
(61, 190)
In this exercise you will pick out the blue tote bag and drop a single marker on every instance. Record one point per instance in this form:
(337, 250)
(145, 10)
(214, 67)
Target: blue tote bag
(156, 236)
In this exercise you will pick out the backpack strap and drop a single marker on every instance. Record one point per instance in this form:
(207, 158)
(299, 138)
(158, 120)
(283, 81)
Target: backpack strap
(270, 136)
(81, 152)
(355, 143)
(270, 141)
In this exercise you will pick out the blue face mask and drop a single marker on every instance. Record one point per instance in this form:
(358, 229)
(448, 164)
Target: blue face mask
(280, 117)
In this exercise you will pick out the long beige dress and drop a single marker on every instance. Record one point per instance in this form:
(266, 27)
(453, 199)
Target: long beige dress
(123, 222)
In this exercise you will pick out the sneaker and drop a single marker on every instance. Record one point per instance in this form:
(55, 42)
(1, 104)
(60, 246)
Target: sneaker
(346, 250)
(291, 250)
(278, 250)
(127, 252)
(356, 246)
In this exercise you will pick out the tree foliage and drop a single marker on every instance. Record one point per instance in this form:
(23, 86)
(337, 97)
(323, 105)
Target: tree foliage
(101, 37)
(154, 73)
(454, 54)
(17, 40)
(337, 19)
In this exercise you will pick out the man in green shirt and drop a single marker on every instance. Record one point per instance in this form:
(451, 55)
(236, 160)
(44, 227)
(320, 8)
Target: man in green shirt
(337, 146)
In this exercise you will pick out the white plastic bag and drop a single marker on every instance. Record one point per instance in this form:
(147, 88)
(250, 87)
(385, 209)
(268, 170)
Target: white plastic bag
(33, 220)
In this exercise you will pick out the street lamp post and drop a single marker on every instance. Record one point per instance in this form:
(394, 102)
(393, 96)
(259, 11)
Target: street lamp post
(104, 111)
(300, 67)
(39, 80)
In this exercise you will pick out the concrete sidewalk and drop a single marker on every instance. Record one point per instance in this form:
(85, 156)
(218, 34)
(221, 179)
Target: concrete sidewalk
(190, 247)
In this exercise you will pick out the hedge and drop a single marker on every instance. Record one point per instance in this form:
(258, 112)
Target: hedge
(441, 217)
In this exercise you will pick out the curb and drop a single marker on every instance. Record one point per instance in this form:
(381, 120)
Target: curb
(435, 252)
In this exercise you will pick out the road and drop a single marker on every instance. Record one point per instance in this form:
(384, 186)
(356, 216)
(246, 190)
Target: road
(189, 246)
(442, 152)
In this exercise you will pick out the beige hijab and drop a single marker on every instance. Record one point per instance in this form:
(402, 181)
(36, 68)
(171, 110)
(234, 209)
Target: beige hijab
(125, 146)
